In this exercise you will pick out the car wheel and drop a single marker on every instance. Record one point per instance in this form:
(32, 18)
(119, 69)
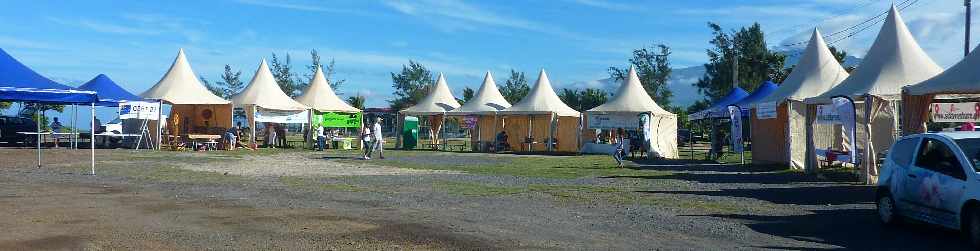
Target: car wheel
(886, 210)
(972, 228)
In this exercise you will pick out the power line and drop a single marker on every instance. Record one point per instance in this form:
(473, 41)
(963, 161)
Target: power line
(861, 26)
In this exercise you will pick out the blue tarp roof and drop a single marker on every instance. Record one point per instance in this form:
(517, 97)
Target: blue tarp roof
(19, 83)
(720, 108)
(110, 93)
(760, 93)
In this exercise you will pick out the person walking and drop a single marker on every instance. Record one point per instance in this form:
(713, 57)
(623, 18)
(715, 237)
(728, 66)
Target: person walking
(232, 135)
(366, 142)
(320, 138)
(271, 135)
(379, 140)
(618, 152)
(55, 129)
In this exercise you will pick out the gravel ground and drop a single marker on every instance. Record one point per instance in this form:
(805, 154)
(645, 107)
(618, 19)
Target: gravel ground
(304, 200)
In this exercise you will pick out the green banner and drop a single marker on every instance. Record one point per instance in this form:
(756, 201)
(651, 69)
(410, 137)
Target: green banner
(337, 119)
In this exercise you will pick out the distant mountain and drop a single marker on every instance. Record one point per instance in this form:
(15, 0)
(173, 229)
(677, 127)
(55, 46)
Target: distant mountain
(793, 57)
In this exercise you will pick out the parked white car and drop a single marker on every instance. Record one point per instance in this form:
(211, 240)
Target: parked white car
(933, 178)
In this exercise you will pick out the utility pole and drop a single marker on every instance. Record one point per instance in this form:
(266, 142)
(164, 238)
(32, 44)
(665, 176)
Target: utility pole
(966, 45)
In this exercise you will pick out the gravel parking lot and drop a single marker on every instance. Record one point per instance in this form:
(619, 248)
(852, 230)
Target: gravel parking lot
(431, 200)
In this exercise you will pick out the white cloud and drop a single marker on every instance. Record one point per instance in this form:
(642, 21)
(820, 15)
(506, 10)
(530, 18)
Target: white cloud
(139, 25)
(604, 4)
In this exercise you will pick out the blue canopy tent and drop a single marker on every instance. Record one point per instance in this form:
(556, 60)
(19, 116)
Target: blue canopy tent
(19, 83)
(720, 108)
(760, 93)
(110, 93)
(113, 95)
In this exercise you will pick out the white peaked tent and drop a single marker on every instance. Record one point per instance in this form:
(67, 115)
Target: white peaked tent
(321, 97)
(960, 81)
(264, 92)
(264, 101)
(893, 61)
(540, 116)
(180, 85)
(439, 101)
(781, 139)
(194, 109)
(484, 105)
(435, 105)
(630, 101)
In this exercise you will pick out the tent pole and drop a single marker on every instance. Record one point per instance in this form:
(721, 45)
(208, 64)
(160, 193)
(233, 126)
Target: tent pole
(442, 133)
(530, 124)
(92, 138)
(551, 132)
(37, 119)
(158, 133)
(251, 118)
(74, 126)
(495, 120)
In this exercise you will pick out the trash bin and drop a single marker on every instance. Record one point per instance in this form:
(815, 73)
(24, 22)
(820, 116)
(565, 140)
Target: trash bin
(410, 133)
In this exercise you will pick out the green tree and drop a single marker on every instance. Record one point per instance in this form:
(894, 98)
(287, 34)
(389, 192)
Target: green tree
(282, 71)
(467, 95)
(410, 85)
(653, 69)
(36, 112)
(756, 63)
(583, 100)
(328, 72)
(231, 82)
(515, 88)
(357, 101)
(214, 88)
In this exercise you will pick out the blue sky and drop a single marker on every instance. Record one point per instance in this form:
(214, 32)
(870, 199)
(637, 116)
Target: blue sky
(574, 40)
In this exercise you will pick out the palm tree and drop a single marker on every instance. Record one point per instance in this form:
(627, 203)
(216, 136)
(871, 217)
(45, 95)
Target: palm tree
(356, 101)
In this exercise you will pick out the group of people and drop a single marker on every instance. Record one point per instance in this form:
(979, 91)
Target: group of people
(373, 140)
(275, 135)
(323, 135)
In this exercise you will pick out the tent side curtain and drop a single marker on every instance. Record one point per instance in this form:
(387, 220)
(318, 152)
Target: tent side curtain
(915, 111)
(57, 96)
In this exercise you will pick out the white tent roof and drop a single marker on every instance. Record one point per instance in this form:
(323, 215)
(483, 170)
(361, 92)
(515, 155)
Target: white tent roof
(321, 97)
(631, 97)
(962, 78)
(487, 100)
(440, 100)
(542, 100)
(181, 86)
(816, 72)
(894, 60)
(264, 92)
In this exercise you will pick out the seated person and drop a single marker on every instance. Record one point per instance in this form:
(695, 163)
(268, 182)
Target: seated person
(502, 144)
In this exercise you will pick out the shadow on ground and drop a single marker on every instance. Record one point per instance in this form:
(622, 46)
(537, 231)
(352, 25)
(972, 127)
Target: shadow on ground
(856, 229)
(811, 195)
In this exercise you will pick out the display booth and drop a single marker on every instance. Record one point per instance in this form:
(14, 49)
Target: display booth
(479, 115)
(542, 122)
(949, 97)
(778, 121)
(196, 114)
(329, 111)
(140, 119)
(631, 108)
(265, 102)
(893, 61)
(433, 108)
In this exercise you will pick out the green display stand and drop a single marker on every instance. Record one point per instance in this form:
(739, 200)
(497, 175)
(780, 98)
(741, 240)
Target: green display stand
(410, 133)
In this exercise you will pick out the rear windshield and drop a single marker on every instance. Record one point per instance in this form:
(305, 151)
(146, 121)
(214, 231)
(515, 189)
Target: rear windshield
(971, 147)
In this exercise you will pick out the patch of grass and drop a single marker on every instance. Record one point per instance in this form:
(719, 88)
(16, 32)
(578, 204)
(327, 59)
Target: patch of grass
(314, 184)
(167, 174)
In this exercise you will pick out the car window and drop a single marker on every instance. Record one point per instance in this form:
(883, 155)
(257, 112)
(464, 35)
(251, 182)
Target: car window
(971, 147)
(936, 156)
(903, 151)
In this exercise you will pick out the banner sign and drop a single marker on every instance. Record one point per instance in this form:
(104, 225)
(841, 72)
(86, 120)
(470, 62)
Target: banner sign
(613, 121)
(735, 114)
(469, 122)
(827, 115)
(283, 117)
(766, 110)
(338, 119)
(139, 110)
(844, 107)
(955, 112)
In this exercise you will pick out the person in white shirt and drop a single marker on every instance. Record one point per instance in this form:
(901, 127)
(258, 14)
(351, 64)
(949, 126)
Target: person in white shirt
(320, 138)
(379, 141)
(366, 142)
